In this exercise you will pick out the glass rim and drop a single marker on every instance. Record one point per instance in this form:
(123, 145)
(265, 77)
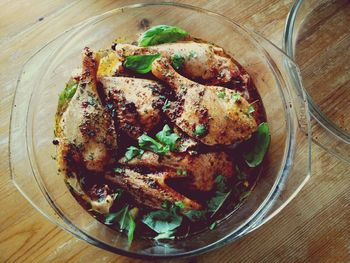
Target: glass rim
(241, 230)
(315, 111)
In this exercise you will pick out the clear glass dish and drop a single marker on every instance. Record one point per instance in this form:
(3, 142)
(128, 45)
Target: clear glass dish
(34, 171)
(317, 37)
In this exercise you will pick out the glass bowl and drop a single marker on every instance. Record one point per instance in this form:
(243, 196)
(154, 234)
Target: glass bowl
(317, 37)
(34, 170)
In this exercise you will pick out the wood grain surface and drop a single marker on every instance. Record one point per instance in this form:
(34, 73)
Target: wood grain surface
(313, 228)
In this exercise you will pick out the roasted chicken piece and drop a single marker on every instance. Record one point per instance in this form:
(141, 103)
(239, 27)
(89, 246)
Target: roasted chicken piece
(86, 133)
(212, 114)
(200, 170)
(150, 189)
(137, 103)
(200, 60)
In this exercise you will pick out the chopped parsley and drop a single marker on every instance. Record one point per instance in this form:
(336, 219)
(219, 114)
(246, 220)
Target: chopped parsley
(119, 170)
(167, 137)
(250, 109)
(221, 94)
(133, 152)
(177, 61)
(166, 105)
(192, 54)
(181, 172)
(200, 130)
(236, 97)
(148, 143)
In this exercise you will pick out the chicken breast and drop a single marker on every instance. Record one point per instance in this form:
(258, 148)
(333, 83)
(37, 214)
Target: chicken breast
(212, 114)
(150, 189)
(200, 170)
(137, 103)
(86, 131)
(200, 60)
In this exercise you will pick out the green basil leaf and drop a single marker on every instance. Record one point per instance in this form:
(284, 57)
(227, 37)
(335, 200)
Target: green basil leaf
(161, 34)
(67, 93)
(195, 215)
(124, 220)
(162, 221)
(132, 152)
(221, 183)
(217, 201)
(260, 141)
(177, 61)
(140, 63)
(166, 137)
(148, 143)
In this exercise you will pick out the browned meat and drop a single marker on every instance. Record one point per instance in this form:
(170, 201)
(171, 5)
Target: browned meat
(201, 60)
(208, 113)
(137, 103)
(200, 170)
(150, 189)
(86, 132)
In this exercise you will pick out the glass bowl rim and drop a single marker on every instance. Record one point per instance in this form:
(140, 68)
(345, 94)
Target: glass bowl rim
(315, 111)
(242, 229)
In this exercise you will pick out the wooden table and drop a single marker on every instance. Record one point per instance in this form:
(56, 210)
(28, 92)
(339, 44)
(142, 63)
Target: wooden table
(313, 228)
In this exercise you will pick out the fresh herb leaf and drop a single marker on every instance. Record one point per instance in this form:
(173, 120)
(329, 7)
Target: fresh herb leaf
(161, 34)
(195, 215)
(240, 175)
(67, 93)
(221, 194)
(221, 94)
(166, 105)
(221, 183)
(162, 221)
(213, 225)
(215, 203)
(236, 97)
(177, 61)
(124, 220)
(132, 152)
(192, 54)
(119, 170)
(148, 143)
(166, 205)
(168, 138)
(179, 205)
(200, 130)
(260, 141)
(140, 63)
(244, 196)
(179, 171)
(250, 109)
(166, 235)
